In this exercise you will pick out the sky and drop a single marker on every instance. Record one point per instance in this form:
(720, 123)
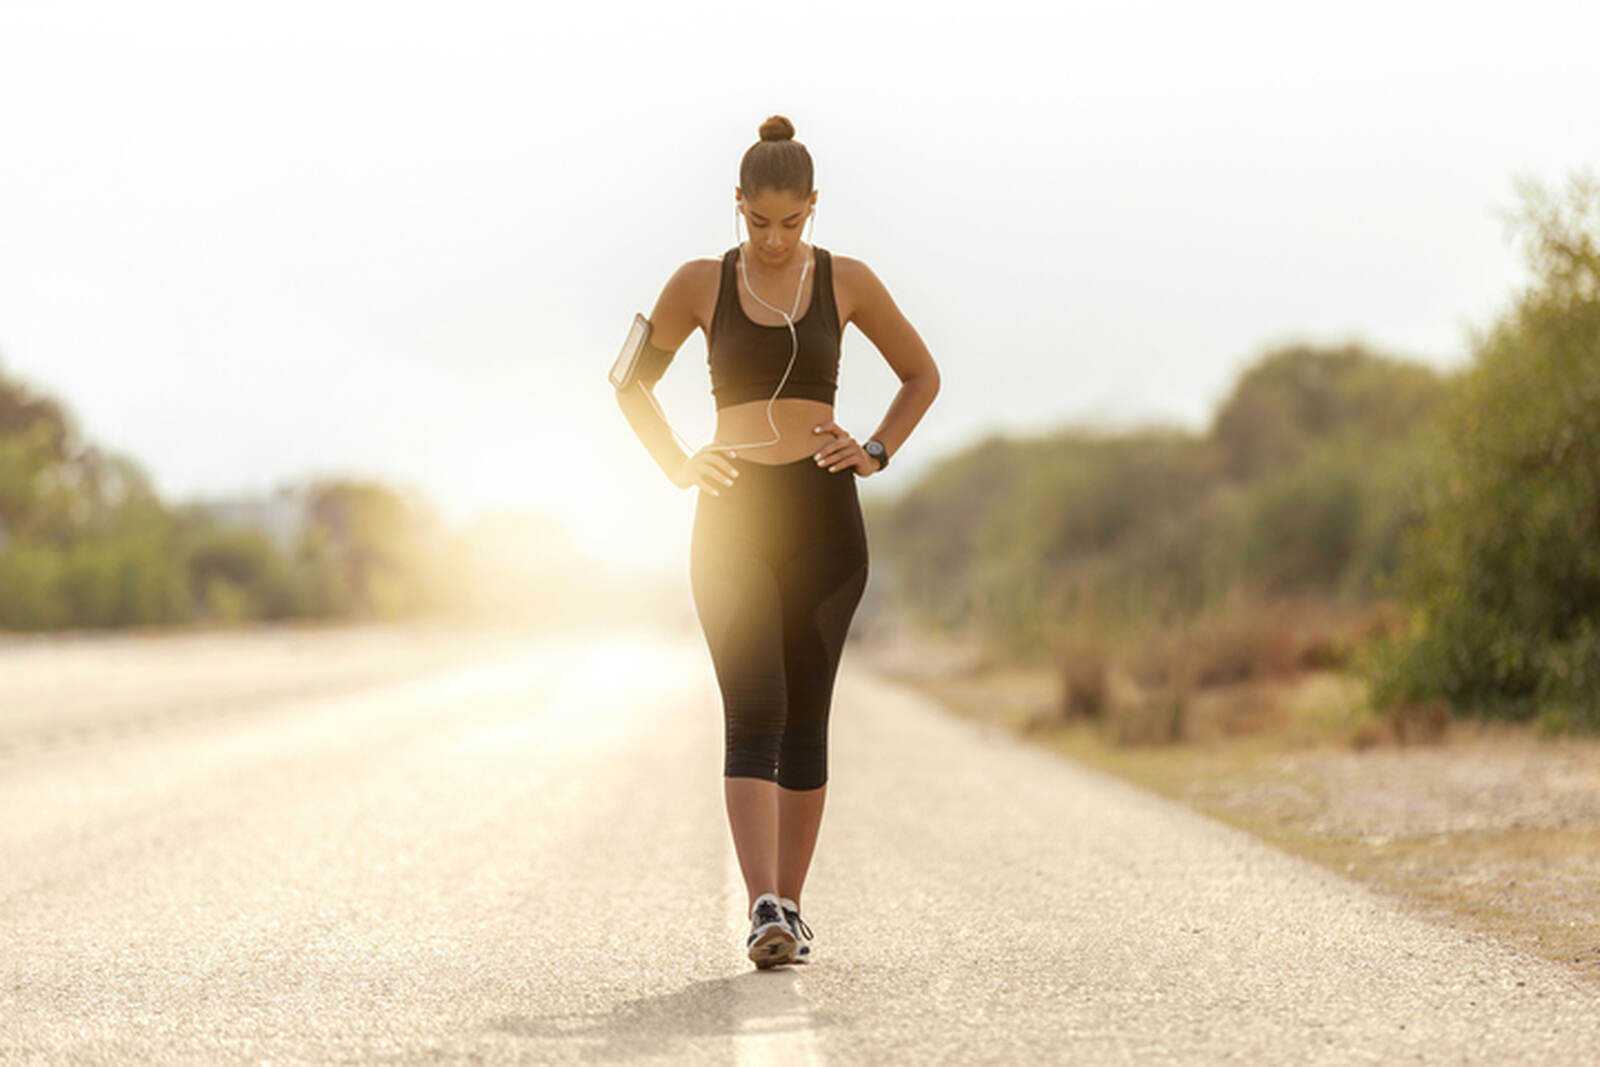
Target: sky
(252, 245)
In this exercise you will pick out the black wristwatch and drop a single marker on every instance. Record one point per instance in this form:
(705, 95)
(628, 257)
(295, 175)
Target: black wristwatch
(875, 449)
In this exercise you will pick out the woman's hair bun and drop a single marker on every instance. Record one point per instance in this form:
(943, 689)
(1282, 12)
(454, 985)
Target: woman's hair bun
(777, 161)
(777, 128)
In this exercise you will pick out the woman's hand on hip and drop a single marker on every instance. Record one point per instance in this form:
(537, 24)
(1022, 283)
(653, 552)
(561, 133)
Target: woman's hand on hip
(708, 469)
(842, 452)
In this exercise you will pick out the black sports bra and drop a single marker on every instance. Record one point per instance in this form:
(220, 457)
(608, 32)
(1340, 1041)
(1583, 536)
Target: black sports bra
(747, 359)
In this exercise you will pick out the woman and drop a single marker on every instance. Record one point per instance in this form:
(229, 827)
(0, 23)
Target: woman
(778, 561)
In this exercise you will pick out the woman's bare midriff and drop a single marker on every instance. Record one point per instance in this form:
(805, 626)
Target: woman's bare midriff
(794, 416)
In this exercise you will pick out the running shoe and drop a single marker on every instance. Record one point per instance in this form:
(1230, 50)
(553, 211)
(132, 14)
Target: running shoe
(797, 927)
(770, 942)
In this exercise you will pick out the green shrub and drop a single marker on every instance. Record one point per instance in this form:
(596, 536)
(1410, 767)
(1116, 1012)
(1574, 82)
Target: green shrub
(1505, 562)
(29, 578)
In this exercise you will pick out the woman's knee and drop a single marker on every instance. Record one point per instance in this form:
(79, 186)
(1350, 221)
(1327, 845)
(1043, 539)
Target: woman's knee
(803, 768)
(753, 727)
(746, 760)
(803, 760)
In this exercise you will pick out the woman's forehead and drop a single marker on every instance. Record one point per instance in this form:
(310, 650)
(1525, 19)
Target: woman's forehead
(776, 202)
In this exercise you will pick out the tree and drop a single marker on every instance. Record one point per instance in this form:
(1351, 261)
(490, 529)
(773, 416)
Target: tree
(1506, 562)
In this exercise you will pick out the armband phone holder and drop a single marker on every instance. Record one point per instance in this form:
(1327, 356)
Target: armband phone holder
(626, 367)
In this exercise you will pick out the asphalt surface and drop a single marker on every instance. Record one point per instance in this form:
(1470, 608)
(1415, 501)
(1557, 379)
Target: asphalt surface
(383, 847)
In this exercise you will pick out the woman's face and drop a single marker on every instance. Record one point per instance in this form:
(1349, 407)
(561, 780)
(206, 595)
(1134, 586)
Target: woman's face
(775, 218)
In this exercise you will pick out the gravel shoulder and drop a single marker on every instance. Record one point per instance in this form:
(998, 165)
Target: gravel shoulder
(1492, 828)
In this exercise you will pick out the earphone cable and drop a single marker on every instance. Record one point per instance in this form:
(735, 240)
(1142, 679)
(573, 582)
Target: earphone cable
(788, 318)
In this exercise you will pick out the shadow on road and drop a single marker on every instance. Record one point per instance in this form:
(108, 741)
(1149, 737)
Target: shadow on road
(759, 1004)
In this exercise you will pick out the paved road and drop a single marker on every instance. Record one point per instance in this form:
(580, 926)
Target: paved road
(381, 848)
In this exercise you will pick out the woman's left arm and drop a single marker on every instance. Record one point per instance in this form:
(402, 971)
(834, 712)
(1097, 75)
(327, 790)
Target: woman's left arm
(883, 323)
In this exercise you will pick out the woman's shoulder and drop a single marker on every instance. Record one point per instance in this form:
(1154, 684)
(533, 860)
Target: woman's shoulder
(694, 277)
(689, 298)
(852, 277)
(847, 268)
(700, 267)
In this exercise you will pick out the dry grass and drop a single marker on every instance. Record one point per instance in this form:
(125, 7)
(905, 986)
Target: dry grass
(1161, 686)
(1405, 724)
(1084, 661)
(1483, 826)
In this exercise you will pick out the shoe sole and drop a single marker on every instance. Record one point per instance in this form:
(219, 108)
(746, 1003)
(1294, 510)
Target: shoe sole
(772, 948)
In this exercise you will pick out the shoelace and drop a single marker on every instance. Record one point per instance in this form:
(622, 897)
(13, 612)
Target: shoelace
(799, 923)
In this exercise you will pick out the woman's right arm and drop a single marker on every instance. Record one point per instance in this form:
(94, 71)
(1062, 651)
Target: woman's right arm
(671, 322)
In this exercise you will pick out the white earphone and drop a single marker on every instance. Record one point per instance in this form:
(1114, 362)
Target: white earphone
(794, 342)
(788, 318)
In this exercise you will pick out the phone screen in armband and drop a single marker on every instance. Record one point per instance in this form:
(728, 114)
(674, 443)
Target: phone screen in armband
(626, 367)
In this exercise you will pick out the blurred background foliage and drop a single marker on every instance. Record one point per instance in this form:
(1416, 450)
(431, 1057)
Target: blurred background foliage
(1344, 508)
(1340, 480)
(85, 542)
(1301, 487)
(1504, 566)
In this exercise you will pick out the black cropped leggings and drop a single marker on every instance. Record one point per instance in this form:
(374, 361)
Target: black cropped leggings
(778, 563)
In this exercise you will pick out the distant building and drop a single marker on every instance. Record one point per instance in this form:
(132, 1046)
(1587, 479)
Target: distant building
(281, 516)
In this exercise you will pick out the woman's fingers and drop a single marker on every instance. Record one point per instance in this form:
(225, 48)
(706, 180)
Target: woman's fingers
(710, 462)
(714, 470)
(832, 451)
(847, 454)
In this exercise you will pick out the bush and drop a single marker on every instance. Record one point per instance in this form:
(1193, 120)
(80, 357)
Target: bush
(238, 574)
(29, 577)
(1505, 562)
(1084, 664)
